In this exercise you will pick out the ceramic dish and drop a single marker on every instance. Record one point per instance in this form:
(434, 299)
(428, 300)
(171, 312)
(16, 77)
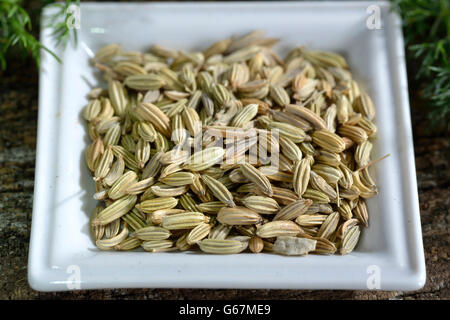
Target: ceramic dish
(62, 256)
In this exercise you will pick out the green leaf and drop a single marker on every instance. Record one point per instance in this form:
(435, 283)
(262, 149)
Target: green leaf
(426, 27)
(16, 29)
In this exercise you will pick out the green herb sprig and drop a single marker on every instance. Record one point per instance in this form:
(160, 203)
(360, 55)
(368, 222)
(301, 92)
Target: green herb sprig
(426, 26)
(59, 23)
(16, 29)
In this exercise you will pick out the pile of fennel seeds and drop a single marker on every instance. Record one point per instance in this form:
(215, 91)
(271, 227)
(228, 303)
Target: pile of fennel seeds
(165, 185)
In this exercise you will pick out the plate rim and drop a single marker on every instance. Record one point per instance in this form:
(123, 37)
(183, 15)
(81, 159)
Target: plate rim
(414, 275)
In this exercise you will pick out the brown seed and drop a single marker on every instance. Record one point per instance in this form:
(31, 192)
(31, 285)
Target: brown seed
(256, 244)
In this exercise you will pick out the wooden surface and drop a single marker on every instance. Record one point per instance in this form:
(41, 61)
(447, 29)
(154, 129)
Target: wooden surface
(18, 124)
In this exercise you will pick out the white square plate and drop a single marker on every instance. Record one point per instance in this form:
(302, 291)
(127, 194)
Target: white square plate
(61, 252)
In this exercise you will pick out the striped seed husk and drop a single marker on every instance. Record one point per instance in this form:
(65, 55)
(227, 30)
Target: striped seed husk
(153, 245)
(120, 186)
(238, 216)
(219, 190)
(185, 220)
(204, 159)
(188, 203)
(152, 233)
(200, 232)
(220, 232)
(329, 226)
(211, 207)
(128, 244)
(156, 217)
(293, 210)
(261, 204)
(278, 228)
(178, 179)
(350, 240)
(162, 190)
(114, 211)
(255, 176)
(361, 212)
(301, 176)
(151, 205)
(108, 244)
(328, 141)
(224, 246)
